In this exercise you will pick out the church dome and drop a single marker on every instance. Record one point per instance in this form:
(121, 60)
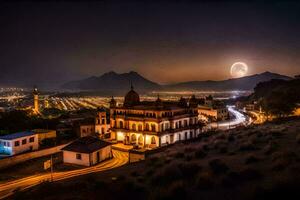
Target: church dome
(132, 98)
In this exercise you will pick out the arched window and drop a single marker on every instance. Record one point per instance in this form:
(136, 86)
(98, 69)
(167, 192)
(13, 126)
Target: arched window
(141, 140)
(153, 141)
(121, 124)
(133, 138)
(147, 127)
(134, 127)
(153, 128)
(140, 127)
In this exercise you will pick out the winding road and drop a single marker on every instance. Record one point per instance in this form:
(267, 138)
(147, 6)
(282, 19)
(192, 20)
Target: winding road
(239, 119)
(8, 188)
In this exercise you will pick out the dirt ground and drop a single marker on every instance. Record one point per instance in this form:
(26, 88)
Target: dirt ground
(258, 162)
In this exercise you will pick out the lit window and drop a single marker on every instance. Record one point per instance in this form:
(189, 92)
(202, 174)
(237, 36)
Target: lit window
(78, 156)
(17, 143)
(24, 141)
(31, 139)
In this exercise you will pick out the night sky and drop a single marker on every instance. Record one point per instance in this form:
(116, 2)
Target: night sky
(53, 42)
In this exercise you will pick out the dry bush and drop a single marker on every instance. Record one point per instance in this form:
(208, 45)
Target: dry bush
(200, 153)
(221, 136)
(231, 179)
(282, 160)
(250, 174)
(219, 143)
(189, 170)
(231, 138)
(218, 166)
(247, 146)
(167, 175)
(179, 155)
(251, 159)
(298, 138)
(205, 181)
(176, 190)
(271, 147)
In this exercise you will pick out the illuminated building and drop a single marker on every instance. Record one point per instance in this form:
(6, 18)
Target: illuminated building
(36, 107)
(87, 151)
(101, 125)
(96, 125)
(213, 110)
(150, 124)
(17, 143)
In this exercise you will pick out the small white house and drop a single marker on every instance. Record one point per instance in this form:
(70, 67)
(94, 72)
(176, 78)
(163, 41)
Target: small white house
(87, 151)
(17, 143)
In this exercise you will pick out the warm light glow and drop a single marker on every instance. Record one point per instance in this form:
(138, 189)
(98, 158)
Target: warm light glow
(239, 69)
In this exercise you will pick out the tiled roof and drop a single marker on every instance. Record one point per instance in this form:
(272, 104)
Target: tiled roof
(17, 135)
(86, 144)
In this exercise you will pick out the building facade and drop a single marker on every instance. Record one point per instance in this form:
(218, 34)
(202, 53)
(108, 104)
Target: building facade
(87, 151)
(212, 110)
(17, 143)
(36, 105)
(152, 124)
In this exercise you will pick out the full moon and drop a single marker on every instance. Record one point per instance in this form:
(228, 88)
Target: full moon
(239, 69)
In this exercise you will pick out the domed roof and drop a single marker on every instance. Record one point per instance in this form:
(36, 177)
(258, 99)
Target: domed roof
(132, 98)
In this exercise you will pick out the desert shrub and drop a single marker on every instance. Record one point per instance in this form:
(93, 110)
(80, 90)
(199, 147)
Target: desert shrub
(271, 147)
(250, 174)
(179, 155)
(176, 190)
(100, 184)
(188, 157)
(221, 136)
(200, 153)
(281, 160)
(231, 138)
(134, 173)
(218, 166)
(131, 187)
(150, 172)
(251, 159)
(218, 143)
(298, 138)
(189, 170)
(205, 147)
(223, 149)
(168, 160)
(247, 146)
(167, 175)
(189, 149)
(140, 179)
(205, 181)
(154, 162)
(231, 179)
(276, 133)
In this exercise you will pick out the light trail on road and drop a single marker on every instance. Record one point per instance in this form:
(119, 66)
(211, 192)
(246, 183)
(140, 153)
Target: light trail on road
(239, 119)
(8, 188)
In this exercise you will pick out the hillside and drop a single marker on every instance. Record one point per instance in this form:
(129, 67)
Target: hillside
(260, 162)
(244, 83)
(112, 82)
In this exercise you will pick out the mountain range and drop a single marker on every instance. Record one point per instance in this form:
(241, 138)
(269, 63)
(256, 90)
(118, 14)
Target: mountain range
(120, 83)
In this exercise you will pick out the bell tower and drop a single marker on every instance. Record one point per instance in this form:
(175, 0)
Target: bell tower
(36, 100)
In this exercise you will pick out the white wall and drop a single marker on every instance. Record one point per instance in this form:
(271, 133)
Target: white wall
(13, 150)
(105, 153)
(70, 157)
